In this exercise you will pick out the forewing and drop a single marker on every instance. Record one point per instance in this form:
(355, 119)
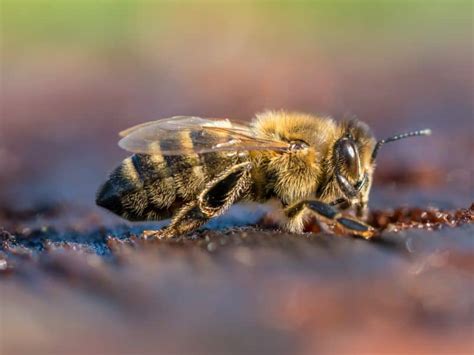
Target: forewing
(170, 124)
(187, 134)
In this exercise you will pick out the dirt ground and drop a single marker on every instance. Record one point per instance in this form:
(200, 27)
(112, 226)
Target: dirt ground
(236, 290)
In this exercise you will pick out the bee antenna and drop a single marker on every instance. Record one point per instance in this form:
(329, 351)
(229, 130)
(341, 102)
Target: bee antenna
(380, 143)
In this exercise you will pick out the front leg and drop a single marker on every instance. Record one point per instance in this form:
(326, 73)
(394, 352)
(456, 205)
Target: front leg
(213, 201)
(325, 213)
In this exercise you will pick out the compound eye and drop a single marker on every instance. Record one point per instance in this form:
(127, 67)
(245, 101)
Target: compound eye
(348, 156)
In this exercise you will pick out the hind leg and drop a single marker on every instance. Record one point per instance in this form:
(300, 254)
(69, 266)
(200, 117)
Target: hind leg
(216, 198)
(187, 219)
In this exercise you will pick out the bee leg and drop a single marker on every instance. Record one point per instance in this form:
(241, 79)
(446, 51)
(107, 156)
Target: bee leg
(187, 219)
(362, 211)
(214, 200)
(328, 215)
(225, 190)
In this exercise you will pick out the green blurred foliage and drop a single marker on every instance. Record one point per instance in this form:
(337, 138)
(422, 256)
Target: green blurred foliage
(101, 21)
(53, 20)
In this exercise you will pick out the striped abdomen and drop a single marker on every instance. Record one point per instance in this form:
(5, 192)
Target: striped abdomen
(153, 187)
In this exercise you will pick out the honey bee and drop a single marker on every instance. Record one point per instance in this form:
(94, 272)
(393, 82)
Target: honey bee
(191, 169)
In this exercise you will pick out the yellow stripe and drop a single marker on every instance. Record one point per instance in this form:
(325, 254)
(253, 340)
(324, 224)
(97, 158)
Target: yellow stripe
(156, 157)
(186, 142)
(198, 172)
(129, 171)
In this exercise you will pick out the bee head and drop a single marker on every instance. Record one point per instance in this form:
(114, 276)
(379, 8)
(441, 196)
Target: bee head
(351, 159)
(354, 156)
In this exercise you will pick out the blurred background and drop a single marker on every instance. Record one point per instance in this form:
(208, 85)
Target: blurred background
(74, 73)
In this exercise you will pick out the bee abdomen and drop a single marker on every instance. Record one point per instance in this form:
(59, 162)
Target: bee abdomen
(153, 187)
(132, 189)
(150, 187)
(122, 190)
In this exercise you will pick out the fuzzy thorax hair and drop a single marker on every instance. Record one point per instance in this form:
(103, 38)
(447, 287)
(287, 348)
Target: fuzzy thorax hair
(310, 172)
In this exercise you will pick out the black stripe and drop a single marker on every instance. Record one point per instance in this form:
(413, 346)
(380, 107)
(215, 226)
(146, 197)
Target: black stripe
(175, 163)
(147, 169)
(212, 162)
(137, 164)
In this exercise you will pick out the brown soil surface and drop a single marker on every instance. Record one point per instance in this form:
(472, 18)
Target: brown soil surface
(240, 289)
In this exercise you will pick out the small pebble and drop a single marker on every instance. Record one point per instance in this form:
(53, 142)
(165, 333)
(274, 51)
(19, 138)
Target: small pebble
(3, 264)
(211, 247)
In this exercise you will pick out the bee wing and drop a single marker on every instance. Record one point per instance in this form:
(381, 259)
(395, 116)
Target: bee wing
(187, 134)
